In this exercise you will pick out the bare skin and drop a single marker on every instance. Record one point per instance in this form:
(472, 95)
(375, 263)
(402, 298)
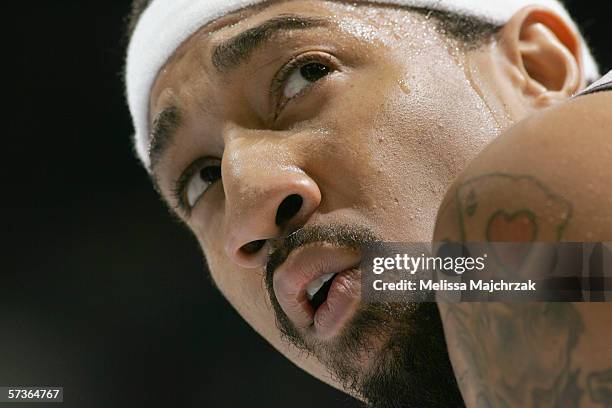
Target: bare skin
(536, 183)
(374, 143)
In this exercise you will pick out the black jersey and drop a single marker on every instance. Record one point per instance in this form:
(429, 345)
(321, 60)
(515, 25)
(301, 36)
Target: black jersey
(604, 84)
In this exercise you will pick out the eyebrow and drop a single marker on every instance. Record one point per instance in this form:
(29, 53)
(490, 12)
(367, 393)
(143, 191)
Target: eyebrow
(238, 50)
(165, 126)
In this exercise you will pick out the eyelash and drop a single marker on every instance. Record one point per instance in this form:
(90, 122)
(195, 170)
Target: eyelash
(177, 192)
(281, 77)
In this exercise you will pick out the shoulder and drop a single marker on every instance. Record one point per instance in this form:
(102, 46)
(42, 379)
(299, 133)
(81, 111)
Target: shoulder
(546, 178)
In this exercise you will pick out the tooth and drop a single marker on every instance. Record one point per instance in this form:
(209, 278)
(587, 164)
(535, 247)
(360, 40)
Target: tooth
(327, 277)
(314, 286)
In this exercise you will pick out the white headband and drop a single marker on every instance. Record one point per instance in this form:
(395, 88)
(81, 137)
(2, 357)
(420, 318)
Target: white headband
(166, 24)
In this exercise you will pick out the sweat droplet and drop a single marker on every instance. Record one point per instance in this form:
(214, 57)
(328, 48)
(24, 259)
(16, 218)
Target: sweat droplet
(404, 87)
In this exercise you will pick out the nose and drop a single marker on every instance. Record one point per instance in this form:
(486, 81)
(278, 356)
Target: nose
(265, 197)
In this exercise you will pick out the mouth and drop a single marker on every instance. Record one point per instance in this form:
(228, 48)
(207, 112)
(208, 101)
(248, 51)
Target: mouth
(319, 288)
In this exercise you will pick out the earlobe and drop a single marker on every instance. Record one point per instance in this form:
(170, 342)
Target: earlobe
(545, 50)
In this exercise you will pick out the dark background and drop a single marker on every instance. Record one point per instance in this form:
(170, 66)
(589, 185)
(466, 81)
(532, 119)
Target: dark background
(100, 291)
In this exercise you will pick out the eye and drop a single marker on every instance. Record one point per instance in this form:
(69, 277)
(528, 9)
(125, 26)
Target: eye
(304, 76)
(203, 176)
(298, 75)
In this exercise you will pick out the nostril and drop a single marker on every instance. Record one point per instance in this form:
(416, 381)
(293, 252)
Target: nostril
(253, 246)
(288, 208)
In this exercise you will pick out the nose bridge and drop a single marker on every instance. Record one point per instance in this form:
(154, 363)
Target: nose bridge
(266, 192)
(252, 171)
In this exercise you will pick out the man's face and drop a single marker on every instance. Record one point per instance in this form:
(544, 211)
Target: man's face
(303, 130)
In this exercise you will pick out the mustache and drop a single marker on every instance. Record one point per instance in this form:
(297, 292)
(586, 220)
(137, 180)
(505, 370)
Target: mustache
(341, 235)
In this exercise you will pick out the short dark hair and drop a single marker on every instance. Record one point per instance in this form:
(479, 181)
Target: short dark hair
(471, 31)
(138, 7)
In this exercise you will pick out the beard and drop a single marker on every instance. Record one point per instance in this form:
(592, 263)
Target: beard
(390, 354)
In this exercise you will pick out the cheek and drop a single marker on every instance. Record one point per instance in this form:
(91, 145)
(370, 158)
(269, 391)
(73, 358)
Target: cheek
(415, 133)
(243, 288)
(436, 119)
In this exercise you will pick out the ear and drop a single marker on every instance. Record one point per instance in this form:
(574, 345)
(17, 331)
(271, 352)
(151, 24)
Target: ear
(546, 53)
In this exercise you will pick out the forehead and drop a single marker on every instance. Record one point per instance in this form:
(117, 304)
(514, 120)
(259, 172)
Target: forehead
(192, 54)
(192, 60)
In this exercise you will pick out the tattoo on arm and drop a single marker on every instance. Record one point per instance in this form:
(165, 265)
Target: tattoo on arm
(518, 355)
(530, 211)
(600, 387)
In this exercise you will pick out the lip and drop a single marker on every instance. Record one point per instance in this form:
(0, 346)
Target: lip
(306, 264)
